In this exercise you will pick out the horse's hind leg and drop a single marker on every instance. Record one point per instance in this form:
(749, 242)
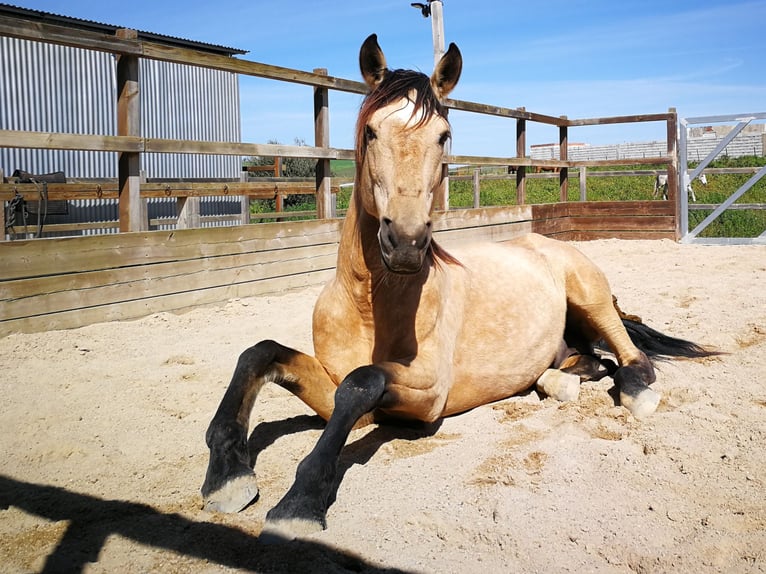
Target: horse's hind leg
(635, 372)
(230, 482)
(592, 316)
(571, 367)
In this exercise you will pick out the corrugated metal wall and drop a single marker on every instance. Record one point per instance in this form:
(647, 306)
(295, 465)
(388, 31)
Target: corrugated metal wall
(189, 103)
(45, 87)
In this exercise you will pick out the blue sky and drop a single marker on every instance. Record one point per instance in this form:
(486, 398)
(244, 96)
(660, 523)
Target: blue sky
(557, 57)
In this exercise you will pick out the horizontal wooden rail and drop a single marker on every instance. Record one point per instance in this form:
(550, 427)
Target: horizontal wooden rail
(133, 144)
(516, 113)
(662, 117)
(53, 34)
(529, 162)
(74, 191)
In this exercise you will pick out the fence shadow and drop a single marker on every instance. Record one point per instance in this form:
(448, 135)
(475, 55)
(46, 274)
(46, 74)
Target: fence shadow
(92, 520)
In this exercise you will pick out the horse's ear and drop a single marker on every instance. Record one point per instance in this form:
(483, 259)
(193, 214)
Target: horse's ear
(372, 62)
(447, 72)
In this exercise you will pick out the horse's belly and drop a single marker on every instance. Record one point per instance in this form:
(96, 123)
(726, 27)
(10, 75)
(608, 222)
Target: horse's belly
(513, 326)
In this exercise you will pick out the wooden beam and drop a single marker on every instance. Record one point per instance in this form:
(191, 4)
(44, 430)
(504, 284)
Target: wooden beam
(322, 139)
(62, 35)
(672, 148)
(188, 212)
(563, 156)
(619, 120)
(626, 161)
(521, 153)
(135, 144)
(129, 124)
(489, 110)
(50, 140)
(109, 190)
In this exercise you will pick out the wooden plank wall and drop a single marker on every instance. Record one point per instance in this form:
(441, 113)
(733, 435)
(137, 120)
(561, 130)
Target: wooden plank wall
(69, 282)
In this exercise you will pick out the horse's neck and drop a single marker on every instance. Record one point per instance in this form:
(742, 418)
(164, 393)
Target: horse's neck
(359, 266)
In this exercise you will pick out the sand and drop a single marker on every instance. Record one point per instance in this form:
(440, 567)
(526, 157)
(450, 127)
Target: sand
(104, 454)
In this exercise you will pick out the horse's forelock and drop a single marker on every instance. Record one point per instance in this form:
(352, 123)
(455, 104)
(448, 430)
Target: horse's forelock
(396, 84)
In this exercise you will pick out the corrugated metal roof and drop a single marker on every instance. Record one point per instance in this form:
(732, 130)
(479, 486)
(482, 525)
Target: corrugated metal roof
(90, 25)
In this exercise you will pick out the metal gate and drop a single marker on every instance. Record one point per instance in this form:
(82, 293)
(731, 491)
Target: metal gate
(685, 179)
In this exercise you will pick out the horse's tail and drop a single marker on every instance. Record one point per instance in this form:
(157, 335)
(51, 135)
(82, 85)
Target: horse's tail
(659, 346)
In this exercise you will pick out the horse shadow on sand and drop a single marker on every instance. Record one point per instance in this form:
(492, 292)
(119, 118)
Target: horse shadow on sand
(93, 520)
(357, 452)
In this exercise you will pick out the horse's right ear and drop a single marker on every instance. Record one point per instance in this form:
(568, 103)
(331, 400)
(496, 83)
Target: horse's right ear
(372, 62)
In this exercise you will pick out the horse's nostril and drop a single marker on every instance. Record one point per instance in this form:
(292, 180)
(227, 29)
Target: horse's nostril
(388, 233)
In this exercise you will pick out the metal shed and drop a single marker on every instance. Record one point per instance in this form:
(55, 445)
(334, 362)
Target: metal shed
(52, 88)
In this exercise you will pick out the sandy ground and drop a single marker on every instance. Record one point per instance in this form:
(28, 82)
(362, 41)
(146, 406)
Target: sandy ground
(103, 448)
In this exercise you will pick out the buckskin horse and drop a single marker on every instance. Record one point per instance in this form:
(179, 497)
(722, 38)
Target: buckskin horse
(407, 330)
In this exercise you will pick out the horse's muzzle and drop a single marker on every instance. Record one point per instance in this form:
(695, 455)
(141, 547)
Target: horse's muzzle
(403, 250)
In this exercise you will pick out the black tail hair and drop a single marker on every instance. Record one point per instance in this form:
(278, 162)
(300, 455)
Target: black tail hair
(659, 346)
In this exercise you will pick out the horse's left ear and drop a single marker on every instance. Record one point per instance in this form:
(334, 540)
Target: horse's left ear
(447, 72)
(372, 62)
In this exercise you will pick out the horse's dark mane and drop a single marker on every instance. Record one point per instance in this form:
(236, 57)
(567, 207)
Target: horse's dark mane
(397, 85)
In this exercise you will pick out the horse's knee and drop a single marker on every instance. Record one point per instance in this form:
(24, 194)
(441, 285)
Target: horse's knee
(361, 391)
(254, 359)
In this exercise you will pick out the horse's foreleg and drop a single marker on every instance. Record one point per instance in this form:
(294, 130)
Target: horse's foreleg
(303, 509)
(230, 482)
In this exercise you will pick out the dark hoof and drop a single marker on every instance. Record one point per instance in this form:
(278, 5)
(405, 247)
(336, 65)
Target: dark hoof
(234, 495)
(292, 518)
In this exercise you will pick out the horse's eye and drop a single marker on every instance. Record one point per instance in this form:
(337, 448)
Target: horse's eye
(444, 137)
(369, 134)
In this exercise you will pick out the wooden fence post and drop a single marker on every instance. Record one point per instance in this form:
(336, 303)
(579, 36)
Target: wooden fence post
(4, 206)
(583, 183)
(188, 213)
(521, 151)
(672, 148)
(476, 187)
(563, 156)
(129, 124)
(245, 201)
(322, 139)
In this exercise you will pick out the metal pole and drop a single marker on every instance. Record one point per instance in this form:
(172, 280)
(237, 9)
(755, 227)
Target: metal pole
(437, 29)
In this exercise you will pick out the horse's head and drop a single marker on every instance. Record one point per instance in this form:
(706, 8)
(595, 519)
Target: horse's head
(401, 134)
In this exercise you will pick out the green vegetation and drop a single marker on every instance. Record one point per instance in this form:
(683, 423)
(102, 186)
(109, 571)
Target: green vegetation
(733, 223)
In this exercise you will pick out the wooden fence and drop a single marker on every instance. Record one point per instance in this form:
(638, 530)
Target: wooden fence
(67, 282)
(63, 283)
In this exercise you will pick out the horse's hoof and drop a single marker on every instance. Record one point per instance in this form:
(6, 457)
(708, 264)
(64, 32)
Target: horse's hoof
(559, 385)
(642, 404)
(235, 495)
(281, 530)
